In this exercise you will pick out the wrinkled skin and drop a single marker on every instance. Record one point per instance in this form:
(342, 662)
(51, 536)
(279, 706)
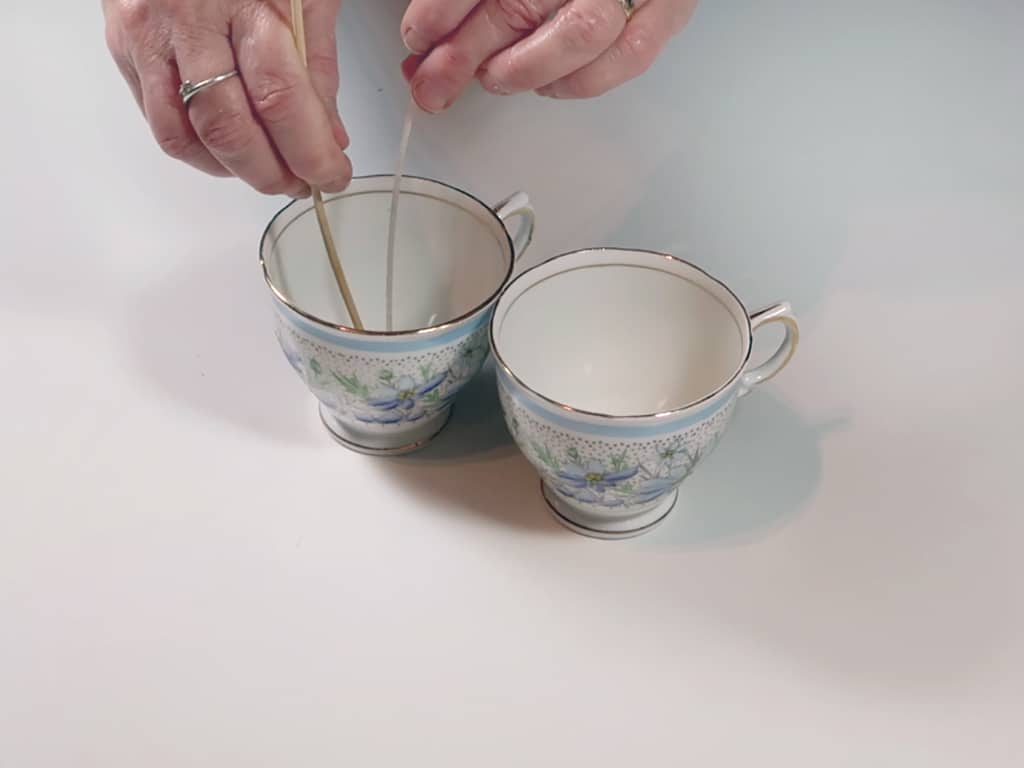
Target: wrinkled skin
(277, 127)
(559, 48)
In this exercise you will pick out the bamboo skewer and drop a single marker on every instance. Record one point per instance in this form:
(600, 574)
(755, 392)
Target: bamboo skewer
(299, 33)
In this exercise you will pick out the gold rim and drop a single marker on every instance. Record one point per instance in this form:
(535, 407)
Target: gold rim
(749, 334)
(448, 324)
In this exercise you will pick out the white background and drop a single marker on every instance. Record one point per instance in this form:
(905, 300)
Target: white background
(193, 574)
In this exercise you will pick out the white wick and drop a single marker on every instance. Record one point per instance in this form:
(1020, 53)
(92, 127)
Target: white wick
(396, 191)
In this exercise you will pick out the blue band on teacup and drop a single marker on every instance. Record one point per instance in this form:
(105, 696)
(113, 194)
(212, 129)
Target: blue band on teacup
(611, 427)
(394, 344)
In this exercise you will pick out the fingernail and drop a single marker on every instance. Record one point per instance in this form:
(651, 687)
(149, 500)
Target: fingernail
(415, 42)
(302, 193)
(550, 91)
(430, 96)
(492, 85)
(410, 65)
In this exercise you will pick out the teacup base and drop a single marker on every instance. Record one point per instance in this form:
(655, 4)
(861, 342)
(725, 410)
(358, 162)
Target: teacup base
(412, 441)
(586, 525)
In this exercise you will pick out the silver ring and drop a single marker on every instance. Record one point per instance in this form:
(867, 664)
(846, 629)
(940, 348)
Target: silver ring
(189, 89)
(629, 6)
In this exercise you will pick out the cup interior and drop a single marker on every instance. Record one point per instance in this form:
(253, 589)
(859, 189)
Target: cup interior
(621, 333)
(452, 255)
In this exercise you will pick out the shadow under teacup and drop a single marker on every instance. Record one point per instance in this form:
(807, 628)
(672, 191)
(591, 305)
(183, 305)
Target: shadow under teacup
(387, 392)
(618, 372)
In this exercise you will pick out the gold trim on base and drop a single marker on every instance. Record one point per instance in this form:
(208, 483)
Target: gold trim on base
(594, 533)
(400, 450)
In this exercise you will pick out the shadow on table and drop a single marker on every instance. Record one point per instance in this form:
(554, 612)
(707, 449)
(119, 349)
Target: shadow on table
(474, 467)
(213, 358)
(761, 476)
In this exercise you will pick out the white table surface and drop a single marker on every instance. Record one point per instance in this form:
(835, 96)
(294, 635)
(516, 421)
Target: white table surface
(192, 573)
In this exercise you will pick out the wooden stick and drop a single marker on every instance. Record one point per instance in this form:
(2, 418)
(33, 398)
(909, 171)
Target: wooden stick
(299, 33)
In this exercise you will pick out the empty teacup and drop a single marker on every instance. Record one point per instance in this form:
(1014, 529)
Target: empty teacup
(618, 372)
(380, 391)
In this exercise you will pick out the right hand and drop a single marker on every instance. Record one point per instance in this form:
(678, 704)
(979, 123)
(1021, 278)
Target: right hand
(275, 126)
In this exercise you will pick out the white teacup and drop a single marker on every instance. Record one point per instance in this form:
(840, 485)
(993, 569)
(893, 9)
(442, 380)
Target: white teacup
(390, 392)
(618, 372)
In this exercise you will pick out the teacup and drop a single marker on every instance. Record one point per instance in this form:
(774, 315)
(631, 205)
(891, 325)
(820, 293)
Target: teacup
(618, 373)
(391, 391)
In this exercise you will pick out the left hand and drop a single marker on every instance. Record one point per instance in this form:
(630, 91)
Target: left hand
(559, 48)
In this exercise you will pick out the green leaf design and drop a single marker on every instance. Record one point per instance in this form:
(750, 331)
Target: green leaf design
(574, 455)
(426, 371)
(315, 365)
(387, 376)
(432, 397)
(545, 456)
(619, 461)
(352, 385)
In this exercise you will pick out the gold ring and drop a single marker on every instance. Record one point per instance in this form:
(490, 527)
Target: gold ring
(628, 6)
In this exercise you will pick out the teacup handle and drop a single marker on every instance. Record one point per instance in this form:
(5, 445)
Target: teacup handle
(780, 313)
(518, 205)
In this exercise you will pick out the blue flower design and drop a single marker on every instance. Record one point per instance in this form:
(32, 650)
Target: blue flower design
(590, 496)
(403, 401)
(649, 490)
(594, 476)
(619, 479)
(404, 393)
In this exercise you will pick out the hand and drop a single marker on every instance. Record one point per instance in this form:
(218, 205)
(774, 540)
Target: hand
(275, 126)
(559, 48)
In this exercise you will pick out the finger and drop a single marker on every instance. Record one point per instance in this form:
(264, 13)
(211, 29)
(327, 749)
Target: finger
(119, 52)
(491, 27)
(322, 62)
(169, 121)
(644, 37)
(161, 106)
(131, 77)
(427, 22)
(222, 117)
(579, 32)
(284, 100)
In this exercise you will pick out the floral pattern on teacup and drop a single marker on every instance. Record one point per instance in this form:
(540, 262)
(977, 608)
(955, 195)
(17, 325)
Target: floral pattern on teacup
(615, 480)
(603, 472)
(396, 399)
(389, 395)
